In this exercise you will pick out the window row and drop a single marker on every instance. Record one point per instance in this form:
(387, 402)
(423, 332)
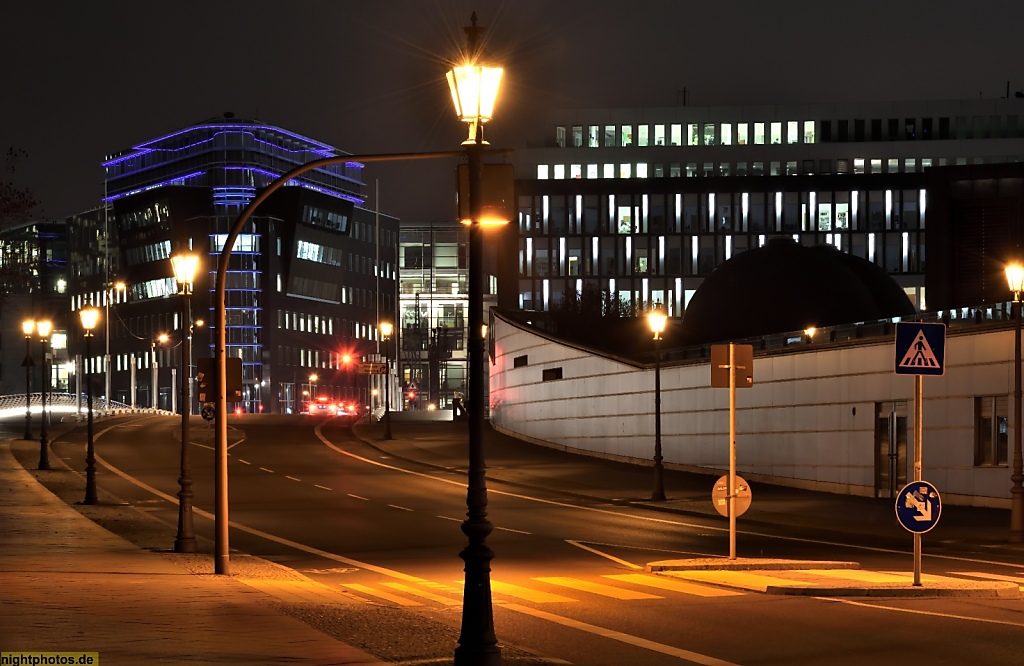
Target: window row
(725, 212)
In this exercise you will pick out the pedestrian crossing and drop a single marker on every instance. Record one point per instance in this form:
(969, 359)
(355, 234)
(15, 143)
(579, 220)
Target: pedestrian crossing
(636, 587)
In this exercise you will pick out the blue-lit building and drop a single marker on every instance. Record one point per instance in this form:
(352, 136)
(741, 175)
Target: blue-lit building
(308, 281)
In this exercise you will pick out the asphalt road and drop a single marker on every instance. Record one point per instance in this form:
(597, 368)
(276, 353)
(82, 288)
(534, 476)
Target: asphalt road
(567, 578)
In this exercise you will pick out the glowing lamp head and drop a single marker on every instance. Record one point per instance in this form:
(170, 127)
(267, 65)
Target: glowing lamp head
(657, 320)
(27, 327)
(313, 377)
(386, 329)
(1015, 279)
(90, 317)
(474, 89)
(184, 266)
(810, 331)
(43, 328)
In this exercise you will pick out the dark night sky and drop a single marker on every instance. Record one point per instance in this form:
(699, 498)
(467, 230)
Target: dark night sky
(84, 79)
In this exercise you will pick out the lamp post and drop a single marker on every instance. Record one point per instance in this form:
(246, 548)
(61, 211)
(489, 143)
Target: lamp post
(90, 317)
(184, 266)
(1015, 280)
(43, 328)
(117, 286)
(154, 397)
(657, 319)
(386, 329)
(474, 87)
(27, 327)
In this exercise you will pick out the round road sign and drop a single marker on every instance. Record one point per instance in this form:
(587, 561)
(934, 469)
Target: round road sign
(720, 496)
(918, 507)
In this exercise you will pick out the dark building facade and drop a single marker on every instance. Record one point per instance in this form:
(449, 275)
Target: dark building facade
(309, 278)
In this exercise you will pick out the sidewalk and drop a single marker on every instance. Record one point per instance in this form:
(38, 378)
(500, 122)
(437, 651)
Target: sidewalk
(68, 585)
(799, 513)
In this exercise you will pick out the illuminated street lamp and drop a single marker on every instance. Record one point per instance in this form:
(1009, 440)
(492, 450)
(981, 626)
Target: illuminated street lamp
(43, 328)
(657, 319)
(1015, 280)
(27, 327)
(386, 329)
(184, 266)
(474, 87)
(90, 317)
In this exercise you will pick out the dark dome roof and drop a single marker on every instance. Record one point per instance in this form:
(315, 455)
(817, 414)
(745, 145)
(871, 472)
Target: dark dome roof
(785, 286)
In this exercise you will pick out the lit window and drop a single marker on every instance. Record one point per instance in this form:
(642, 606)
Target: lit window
(592, 136)
(641, 135)
(776, 136)
(576, 171)
(659, 135)
(627, 136)
(741, 134)
(577, 136)
(592, 171)
(609, 170)
(709, 134)
(759, 134)
(559, 172)
(641, 170)
(625, 171)
(693, 134)
(876, 166)
(560, 136)
(808, 131)
(727, 134)
(792, 132)
(609, 136)
(542, 172)
(676, 137)
(858, 165)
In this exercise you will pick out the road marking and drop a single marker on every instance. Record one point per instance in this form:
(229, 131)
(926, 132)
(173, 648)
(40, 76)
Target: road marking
(440, 586)
(674, 585)
(317, 485)
(509, 529)
(863, 604)
(926, 577)
(400, 508)
(597, 588)
(296, 591)
(743, 579)
(422, 593)
(264, 469)
(292, 478)
(358, 497)
(525, 593)
(244, 462)
(605, 555)
(457, 520)
(393, 598)
(1008, 579)
(695, 657)
(861, 575)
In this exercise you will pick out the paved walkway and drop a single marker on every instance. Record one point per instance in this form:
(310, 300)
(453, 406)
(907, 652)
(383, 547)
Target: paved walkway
(68, 585)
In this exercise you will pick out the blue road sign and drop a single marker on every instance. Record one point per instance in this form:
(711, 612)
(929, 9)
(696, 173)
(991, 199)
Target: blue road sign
(920, 348)
(918, 506)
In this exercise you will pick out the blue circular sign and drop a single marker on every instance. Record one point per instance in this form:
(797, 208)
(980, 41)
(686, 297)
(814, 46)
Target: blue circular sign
(918, 507)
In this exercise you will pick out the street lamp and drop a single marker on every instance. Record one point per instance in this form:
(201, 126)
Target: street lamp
(474, 87)
(184, 266)
(116, 287)
(312, 386)
(657, 319)
(386, 329)
(43, 328)
(27, 327)
(1015, 280)
(89, 316)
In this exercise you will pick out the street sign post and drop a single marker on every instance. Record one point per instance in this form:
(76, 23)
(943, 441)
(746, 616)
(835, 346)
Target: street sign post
(920, 350)
(373, 369)
(732, 367)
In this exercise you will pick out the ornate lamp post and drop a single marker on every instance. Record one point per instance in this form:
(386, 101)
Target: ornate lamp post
(386, 329)
(474, 88)
(43, 328)
(184, 266)
(657, 319)
(27, 327)
(90, 317)
(1015, 280)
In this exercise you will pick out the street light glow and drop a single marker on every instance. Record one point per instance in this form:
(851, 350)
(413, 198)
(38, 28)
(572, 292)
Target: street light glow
(474, 88)
(184, 266)
(28, 326)
(1015, 278)
(44, 328)
(657, 320)
(89, 316)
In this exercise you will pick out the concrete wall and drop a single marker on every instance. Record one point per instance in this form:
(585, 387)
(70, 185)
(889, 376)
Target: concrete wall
(808, 421)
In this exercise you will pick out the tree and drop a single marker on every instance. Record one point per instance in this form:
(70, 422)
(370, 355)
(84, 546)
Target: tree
(17, 204)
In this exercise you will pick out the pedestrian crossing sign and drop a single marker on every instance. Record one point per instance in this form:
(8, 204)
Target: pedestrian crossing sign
(920, 348)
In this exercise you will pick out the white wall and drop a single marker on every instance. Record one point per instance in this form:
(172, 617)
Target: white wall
(808, 421)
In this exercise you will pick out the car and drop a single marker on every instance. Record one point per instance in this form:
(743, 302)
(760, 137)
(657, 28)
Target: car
(323, 405)
(347, 412)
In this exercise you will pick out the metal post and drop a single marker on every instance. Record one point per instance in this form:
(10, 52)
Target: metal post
(732, 451)
(1017, 477)
(658, 494)
(387, 387)
(185, 541)
(28, 387)
(106, 354)
(134, 382)
(90, 453)
(44, 452)
(918, 452)
(153, 398)
(477, 642)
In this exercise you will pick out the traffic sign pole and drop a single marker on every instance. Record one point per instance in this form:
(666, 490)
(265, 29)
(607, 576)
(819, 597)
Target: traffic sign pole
(918, 453)
(732, 451)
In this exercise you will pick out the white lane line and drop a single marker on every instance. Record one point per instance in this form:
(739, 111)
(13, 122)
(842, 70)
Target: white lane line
(391, 573)
(509, 529)
(358, 497)
(401, 508)
(649, 519)
(292, 478)
(457, 520)
(636, 641)
(605, 555)
(266, 470)
(316, 485)
(921, 612)
(244, 462)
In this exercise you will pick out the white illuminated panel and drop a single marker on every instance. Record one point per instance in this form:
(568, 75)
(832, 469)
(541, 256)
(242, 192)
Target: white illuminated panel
(871, 248)
(561, 256)
(542, 172)
(854, 200)
(546, 290)
(694, 250)
(778, 210)
(611, 286)
(559, 172)
(888, 209)
(728, 248)
(746, 208)
(679, 211)
(629, 253)
(579, 212)
(760, 240)
(545, 205)
(661, 254)
(592, 171)
(906, 251)
(922, 203)
(644, 204)
(679, 295)
(594, 254)
(529, 256)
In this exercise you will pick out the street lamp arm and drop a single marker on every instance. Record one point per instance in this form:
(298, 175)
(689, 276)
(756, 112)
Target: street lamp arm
(220, 353)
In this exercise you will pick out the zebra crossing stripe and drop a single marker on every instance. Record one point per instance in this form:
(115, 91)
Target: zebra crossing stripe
(681, 586)
(597, 588)
(402, 587)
